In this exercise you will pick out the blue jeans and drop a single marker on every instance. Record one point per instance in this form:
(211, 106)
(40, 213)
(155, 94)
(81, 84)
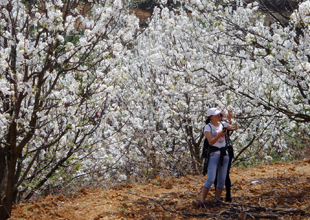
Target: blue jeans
(215, 166)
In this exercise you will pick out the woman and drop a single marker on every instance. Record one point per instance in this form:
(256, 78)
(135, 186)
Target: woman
(215, 132)
(231, 156)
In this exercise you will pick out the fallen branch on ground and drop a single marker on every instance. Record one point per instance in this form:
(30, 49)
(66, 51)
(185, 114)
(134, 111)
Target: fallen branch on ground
(234, 211)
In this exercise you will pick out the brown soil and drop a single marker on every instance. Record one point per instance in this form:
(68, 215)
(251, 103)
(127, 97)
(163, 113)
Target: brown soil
(143, 15)
(277, 190)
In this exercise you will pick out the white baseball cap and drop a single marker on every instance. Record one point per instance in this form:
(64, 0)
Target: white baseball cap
(213, 111)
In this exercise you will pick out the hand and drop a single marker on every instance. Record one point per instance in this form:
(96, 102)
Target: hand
(223, 133)
(233, 127)
(230, 115)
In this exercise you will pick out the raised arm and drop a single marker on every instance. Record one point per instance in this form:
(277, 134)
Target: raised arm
(231, 127)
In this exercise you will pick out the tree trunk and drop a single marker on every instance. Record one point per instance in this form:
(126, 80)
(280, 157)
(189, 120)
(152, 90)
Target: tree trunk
(10, 158)
(194, 148)
(10, 184)
(3, 183)
(7, 202)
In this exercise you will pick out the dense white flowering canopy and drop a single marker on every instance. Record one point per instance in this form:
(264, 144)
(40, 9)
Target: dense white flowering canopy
(60, 74)
(219, 56)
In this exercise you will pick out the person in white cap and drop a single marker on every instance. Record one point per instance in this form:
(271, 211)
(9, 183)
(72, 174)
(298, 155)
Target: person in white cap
(218, 157)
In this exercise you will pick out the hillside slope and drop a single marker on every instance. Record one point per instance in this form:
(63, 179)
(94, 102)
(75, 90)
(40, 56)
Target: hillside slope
(279, 190)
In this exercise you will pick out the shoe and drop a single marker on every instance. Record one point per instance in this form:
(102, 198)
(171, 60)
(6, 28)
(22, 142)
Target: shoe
(228, 200)
(203, 205)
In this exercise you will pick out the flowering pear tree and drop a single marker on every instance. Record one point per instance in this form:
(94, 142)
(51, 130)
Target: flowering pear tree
(220, 55)
(59, 76)
(272, 76)
(272, 59)
(264, 67)
(157, 116)
(170, 108)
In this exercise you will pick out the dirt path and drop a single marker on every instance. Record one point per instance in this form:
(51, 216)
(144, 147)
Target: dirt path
(280, 189)
(143, 15)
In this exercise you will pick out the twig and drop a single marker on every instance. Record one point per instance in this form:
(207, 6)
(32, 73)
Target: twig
(57, 204)
(271, 197)
(176, 212)
(265, 216)
(262, 208)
